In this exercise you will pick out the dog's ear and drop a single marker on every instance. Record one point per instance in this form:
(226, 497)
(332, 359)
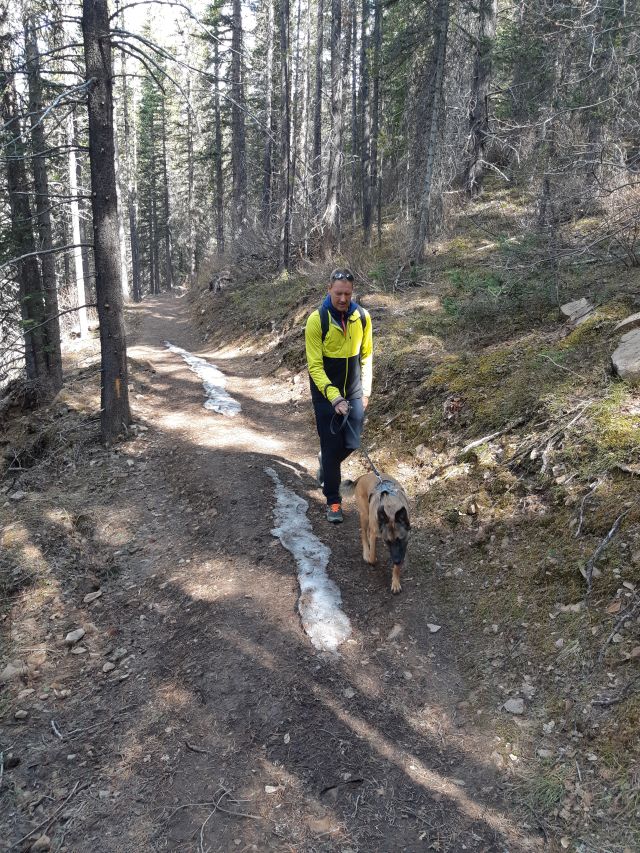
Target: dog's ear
(383, 518)
(402, 517)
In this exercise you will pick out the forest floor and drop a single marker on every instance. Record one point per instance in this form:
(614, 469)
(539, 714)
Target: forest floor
(194, 714)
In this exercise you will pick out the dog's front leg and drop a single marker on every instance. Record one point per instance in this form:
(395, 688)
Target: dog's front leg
(373, 534)
(395, 580)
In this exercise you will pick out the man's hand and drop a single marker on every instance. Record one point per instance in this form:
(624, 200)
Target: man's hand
(342, 407)
(365, 402)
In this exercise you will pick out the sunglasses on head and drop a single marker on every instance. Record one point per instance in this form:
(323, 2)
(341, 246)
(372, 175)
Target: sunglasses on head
(337, 276)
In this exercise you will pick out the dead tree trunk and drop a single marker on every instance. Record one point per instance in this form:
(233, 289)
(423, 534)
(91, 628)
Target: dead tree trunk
(115, 416)
(375, 108)
(78, 260)
(51, 329)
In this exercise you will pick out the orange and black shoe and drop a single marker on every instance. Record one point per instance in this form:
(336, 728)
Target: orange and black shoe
(334, 514)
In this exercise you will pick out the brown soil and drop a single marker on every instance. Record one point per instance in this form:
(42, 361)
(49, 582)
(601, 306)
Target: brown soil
(220, 727)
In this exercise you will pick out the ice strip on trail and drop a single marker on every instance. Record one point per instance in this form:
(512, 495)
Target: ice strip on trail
(213, 380)
(319, 603)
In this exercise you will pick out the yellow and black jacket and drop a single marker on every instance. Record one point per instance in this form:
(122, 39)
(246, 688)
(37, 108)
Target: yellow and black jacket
(341, 365)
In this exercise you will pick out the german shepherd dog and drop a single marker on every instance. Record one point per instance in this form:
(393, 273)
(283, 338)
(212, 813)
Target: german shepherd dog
(384, 512)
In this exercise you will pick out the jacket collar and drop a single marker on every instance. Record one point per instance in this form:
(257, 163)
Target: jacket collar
(337, 315)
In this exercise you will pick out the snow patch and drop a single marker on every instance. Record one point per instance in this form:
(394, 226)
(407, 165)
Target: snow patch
(213, 380)
(319, 603)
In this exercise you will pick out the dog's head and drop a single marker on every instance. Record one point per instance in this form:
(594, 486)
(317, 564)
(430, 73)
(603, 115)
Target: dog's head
(393, 523)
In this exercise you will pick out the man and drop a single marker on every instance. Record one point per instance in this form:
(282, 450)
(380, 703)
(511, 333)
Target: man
(339, 344)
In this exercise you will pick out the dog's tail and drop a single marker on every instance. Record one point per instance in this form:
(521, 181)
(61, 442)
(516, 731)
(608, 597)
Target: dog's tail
(347, 488)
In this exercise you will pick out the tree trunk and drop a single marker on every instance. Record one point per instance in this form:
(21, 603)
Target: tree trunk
(355, 145)
(168, 260)
(238, 145)
(316, 162)
(375, 107)
(435, 97)
(97, 52)
(190, 183)
(132, 188)
(334, 171)
(285, 138)
(81, 297)
(31, 294)
(218, 159)
(478, 107)
(51, 329)
(267, 168)
(365, 129)
(124, 280)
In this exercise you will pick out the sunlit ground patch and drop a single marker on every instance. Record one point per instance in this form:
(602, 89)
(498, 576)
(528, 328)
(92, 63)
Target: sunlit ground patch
(319, 604)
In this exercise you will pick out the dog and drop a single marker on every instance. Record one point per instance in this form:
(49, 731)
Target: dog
(384, 512)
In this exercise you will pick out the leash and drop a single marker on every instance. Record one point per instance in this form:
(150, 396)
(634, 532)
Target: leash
(345, 422)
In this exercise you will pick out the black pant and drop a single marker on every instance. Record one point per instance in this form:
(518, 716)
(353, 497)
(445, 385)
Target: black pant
(336, 448)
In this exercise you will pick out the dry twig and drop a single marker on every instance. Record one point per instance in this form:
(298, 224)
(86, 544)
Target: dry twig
(615, 700)
(587, 572)
(628, 614)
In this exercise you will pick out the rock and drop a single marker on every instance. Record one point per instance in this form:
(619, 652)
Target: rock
(108, 667)
(73, 636)
(433, 628)
(119, 653)
(17, 496)
(92, 596)
(21, 714)
(42, 843)
(514, 706)
(394, 632)
(577, 311)
(544, 753)
(12, 671)
(626, 359)
(631, 322)
(349, 693)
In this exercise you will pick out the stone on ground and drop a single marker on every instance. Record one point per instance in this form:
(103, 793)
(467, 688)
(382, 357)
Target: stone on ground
(626, 359)
(630, 322)
(577, 311)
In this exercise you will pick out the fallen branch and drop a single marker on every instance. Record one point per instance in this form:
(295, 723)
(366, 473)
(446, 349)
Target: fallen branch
(48, 821)
(587, 572)
(628, 614)
(582, 503)
(485, 438)
(194, 748)
(562, 367)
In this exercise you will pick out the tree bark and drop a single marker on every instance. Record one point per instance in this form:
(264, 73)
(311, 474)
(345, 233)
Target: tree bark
(238, 144)
(435, 96)
(115, 416)
(132, 187)
(41, 185)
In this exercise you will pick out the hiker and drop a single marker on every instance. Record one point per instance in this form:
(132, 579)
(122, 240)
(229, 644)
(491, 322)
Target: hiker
(339, 344)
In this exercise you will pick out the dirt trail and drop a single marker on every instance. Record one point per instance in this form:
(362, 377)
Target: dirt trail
(223, 729)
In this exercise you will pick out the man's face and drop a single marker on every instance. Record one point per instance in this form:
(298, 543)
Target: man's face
(341, 292)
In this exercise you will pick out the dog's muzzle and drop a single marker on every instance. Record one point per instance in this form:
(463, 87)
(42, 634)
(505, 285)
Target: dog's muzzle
(398, 550)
